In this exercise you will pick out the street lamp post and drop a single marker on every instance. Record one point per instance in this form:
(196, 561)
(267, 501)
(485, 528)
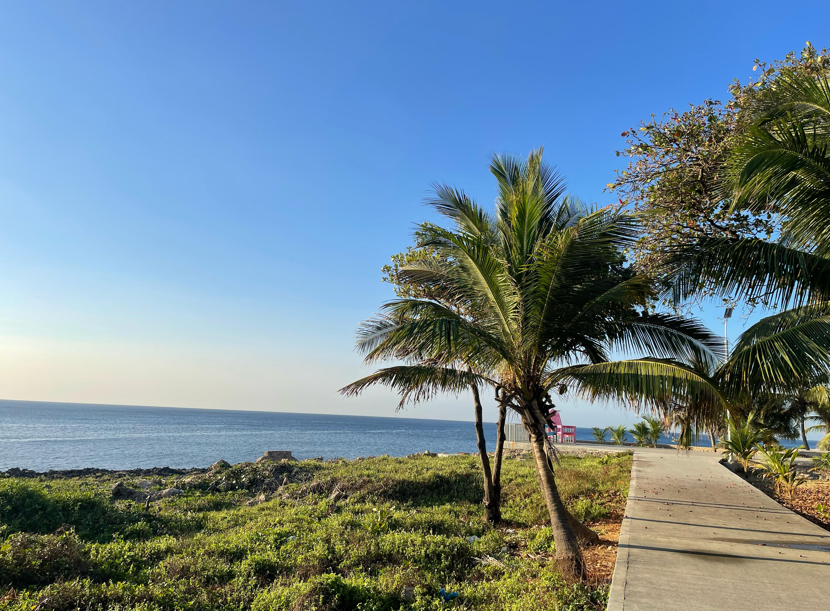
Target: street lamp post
(727, 314)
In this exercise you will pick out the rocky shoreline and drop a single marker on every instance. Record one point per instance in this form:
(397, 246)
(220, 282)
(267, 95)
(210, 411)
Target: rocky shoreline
(93, 472)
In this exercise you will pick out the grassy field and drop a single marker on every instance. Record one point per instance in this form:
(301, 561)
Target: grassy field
(377, 534)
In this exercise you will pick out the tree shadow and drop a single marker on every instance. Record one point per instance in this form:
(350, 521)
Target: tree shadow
(437, 489)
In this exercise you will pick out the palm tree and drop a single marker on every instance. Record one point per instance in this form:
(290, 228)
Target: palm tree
(798, 411)
(656, 428)
(743, 439)
(618, 435)
(407, 287)
(641, 433)
(699, 412)
(820, 398)
(781, 164)
(599, 434)
(546, 278)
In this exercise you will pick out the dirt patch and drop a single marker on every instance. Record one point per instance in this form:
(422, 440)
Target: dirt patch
(807, 499)
(601, 557)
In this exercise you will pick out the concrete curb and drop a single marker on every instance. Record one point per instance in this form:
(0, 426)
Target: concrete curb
(616, 596)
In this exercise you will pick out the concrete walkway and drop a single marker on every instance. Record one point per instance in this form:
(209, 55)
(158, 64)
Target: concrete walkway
(698, 537)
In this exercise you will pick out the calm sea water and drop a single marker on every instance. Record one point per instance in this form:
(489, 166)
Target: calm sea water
(43, 436)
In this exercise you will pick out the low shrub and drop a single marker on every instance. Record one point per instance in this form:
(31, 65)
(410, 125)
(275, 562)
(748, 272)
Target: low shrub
(397, 532)
(32, 560)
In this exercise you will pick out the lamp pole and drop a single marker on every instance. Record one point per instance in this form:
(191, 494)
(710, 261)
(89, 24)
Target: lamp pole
(727, 314)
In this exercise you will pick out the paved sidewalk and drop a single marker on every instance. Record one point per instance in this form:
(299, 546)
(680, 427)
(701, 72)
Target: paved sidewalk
(698, 537)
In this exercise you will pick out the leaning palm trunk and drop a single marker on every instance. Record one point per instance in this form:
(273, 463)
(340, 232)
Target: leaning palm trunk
(804, 433)
(568, 554)
(492, 492)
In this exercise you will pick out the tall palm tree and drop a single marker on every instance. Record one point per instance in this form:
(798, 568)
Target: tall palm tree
(553, 299)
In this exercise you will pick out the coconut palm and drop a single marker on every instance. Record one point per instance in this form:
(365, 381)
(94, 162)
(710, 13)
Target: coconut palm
(798, 410)
(656, 428)
(781, 164)
(819, 397)
(743, 440)
(641, 433)
(696, 413)
(599, 434)
(546, 278)
(408, 288)
(618, 434)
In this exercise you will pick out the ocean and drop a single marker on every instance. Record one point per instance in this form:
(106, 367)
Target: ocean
(44, 436)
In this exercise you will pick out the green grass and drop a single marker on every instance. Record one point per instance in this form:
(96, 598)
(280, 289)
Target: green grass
(402, 523)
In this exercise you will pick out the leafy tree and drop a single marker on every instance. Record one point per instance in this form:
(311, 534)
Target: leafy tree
(678, 162)
(552, 299)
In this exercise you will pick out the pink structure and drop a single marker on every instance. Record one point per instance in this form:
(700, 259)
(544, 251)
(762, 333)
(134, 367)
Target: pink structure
(560, 432)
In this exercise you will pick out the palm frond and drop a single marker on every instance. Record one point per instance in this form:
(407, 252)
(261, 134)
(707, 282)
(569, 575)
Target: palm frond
(456, 205)
(783, 352)
(748, 269)
(781, 162)
(483, 277)
(644, 383)
(417, 383)
(667, 336)
(412, 329)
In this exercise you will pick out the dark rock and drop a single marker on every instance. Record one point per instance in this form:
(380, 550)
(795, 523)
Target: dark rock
(220, 465)
(94, 472)
(121, 492)
(277, 455)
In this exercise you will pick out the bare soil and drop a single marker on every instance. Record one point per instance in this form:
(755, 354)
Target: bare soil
(805, 499)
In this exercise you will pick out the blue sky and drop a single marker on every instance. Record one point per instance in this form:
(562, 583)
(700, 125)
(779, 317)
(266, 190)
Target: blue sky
(196, 198)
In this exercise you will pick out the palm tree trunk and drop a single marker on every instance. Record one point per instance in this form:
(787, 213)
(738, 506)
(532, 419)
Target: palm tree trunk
(568, 554)
(492, 505)
(499, 452)
(804, 434)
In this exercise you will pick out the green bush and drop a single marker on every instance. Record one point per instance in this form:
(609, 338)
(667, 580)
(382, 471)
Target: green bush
(588, 510)
(27, 559)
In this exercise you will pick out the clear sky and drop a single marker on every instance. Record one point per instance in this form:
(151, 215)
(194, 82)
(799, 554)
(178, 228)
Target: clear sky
(196, 198)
